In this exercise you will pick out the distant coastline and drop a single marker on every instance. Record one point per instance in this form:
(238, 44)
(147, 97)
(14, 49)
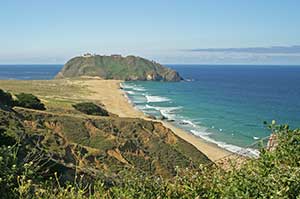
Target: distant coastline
(242, 123)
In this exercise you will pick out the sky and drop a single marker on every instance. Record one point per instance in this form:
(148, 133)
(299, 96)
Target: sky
(168, 31)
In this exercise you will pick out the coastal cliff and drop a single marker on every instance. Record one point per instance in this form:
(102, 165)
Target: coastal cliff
(117, 67)
(74, 140)
(98, 146)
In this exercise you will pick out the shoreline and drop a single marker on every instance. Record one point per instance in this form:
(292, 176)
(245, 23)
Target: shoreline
(109, 93)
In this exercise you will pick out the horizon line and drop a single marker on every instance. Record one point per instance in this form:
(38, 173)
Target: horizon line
(210, 64)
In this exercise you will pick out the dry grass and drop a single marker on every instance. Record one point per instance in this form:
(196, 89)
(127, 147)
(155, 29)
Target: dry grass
(56, 94)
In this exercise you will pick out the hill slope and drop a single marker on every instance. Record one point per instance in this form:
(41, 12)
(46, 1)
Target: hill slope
(96, 146)
(100, 146)
(117, 67)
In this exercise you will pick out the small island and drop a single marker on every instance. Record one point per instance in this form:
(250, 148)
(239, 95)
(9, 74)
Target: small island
(117, 67)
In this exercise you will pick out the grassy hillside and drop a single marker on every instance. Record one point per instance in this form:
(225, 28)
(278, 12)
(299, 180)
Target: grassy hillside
(57, 95)
(64, 140)
(117, 67)
(46, 164)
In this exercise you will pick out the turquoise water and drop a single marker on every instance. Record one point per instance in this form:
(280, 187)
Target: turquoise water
(226, 105)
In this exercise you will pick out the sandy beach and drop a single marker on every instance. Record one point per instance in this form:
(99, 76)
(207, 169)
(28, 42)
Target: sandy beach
(115, 100)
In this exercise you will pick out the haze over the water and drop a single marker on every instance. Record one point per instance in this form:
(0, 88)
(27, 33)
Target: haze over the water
(204, 32)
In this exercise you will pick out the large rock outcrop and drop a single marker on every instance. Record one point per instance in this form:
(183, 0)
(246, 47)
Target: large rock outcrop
(117, 67)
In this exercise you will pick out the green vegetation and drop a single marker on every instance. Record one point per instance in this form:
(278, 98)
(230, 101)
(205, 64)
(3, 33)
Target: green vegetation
(117, 67)
(29, 101)
(44, 153)
(23, 100)
(57, 95)
(90, 109)
(6, 99)
(275, 174)
(45, 88)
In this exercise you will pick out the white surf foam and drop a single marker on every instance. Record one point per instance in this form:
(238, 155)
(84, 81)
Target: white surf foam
(162, 107)
(200, 133)
(130, 92)
(190, 123)
(168, 112)
(152, 98)
(141, 107)
(189, 80)
(133, 100)
(138, 89)
(132, 87)
(232, 148)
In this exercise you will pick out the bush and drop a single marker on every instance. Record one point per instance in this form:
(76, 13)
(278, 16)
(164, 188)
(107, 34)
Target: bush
(29, 101)
(13, 171)
(275, 174)
(90, 109)
(6, 99)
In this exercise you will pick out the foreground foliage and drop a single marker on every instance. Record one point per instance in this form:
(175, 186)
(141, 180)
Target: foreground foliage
(90, 109)
(275, 174)
(29, 101)
(6, 99)
(23, 100)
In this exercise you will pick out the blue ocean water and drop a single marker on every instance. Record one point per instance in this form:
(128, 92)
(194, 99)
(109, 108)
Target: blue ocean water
(226, 105)
(29, 72)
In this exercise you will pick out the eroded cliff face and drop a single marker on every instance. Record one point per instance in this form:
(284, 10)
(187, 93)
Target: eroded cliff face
(117, 67)
(99, 146)
(169, 75)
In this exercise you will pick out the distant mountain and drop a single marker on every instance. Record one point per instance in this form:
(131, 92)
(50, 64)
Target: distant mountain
(117, 67)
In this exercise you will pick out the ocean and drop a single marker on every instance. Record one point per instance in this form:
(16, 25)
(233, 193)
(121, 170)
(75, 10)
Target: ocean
(224, 104)
(29, 72)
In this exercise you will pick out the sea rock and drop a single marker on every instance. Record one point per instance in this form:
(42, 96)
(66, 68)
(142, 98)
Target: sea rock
(117, 67)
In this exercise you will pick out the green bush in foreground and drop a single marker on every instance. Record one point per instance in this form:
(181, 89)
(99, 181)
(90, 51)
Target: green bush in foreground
(13, 171)
(275, 174)
(29, 101)
(90, 109)
(6, 99)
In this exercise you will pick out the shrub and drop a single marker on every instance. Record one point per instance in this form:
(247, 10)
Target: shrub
(29, 101)
(275, 174)
(6, 99)
(90, 109)
(13, 170)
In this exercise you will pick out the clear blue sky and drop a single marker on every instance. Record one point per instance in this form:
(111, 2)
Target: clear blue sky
(174, 31)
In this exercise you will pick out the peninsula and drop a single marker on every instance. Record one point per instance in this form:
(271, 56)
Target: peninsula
(117, 67)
